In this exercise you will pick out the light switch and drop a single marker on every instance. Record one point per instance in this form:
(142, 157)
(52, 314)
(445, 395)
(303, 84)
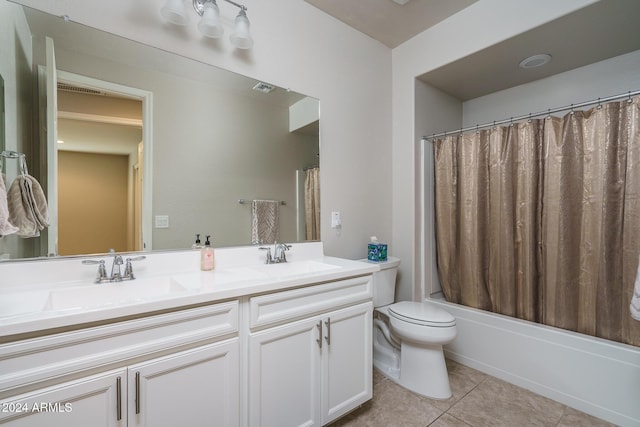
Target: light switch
(336, 221)
(162, 221)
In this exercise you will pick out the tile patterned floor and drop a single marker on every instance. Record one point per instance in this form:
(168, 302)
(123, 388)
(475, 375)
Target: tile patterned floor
(478, 400)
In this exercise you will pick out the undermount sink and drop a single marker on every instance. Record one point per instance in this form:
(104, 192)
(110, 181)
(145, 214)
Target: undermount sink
(116, 293)
(295, 268)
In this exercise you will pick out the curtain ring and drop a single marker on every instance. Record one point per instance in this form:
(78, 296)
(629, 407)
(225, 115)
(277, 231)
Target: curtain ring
(549, 113)
(529, 119)
(629, 100)
(599, 104)
(477, 129)
(511, 122)
(572, 112)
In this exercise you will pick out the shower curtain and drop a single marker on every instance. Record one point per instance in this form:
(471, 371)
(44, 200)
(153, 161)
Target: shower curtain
(312, 203)
(541, 220)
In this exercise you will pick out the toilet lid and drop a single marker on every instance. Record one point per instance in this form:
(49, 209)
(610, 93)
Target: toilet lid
(421, 314)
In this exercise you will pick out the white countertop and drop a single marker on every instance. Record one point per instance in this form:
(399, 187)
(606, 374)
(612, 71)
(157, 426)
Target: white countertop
(39, 304)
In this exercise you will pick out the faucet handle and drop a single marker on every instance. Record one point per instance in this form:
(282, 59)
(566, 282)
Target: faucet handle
(269, 259)
(128, 268)
(102, 271)
(280, 252)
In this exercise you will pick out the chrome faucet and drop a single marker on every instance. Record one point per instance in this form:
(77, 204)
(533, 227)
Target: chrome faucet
(278, 253)
(116, 275)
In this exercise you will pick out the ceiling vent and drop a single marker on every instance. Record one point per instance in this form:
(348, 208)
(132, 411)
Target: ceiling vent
(263, 87)
(66, 87)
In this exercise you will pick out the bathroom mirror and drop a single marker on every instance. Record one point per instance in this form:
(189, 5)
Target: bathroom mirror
(216, 138)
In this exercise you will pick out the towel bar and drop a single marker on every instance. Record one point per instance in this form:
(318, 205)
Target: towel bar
(244, 202)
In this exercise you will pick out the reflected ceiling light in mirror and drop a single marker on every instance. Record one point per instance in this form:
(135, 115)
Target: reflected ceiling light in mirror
(174, 11)
(241, 37)
(210, 25)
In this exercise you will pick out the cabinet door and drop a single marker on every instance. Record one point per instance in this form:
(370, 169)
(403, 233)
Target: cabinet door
(197, 387)
(347, 376)
(90, 401)
(284, 375)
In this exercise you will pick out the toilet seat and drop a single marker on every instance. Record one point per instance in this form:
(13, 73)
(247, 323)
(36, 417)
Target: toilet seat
(419, 313)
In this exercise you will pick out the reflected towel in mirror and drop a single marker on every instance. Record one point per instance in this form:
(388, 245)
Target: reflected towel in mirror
(6, 227)
(634, 307)
(27, 206)
(265, 223)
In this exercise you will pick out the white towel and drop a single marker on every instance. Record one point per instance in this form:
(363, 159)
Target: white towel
(265, 224)
(635, 299)
(6, 227)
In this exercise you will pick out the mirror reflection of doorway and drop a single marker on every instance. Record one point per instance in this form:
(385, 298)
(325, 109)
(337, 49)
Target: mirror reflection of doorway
(99, 159)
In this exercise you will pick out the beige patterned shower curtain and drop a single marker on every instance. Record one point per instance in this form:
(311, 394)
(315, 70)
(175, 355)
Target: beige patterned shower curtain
(541, 220)
(312, 203)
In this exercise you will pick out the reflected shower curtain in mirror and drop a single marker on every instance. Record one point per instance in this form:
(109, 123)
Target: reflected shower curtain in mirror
(541, 220)
(312, 203)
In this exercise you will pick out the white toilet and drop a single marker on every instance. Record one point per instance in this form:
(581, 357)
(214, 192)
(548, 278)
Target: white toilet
(408, 337)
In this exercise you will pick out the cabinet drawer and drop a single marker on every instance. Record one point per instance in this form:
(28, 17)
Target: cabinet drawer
(53, 356)
(289, 305)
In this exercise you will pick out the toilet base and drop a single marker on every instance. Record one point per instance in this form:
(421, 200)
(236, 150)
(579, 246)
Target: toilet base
(424, 371)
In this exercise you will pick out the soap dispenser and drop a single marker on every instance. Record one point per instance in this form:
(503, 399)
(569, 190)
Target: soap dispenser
(197, 244)
(207, 259)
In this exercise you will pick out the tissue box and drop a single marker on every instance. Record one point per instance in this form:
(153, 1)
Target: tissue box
(377, 252)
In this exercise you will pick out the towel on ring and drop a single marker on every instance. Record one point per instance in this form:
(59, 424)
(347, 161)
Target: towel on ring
(27, 206)
(265, 222)
(6, 227)
(635, 299)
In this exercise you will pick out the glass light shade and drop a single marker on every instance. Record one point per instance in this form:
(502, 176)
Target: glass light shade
(210, 25)
(241, 37)
(174, 11)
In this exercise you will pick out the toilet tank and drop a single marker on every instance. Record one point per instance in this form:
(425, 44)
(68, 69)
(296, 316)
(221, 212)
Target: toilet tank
(384, 281)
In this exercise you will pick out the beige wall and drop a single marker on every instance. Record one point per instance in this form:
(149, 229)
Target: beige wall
(92, 188)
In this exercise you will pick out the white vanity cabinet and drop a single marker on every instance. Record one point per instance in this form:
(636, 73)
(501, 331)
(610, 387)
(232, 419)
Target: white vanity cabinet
(310, 353)
(92, 401)
(180, 368)
(194, 388)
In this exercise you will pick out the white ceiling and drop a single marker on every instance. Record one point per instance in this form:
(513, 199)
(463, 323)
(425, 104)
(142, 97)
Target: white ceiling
(603, 30)
(388, 22)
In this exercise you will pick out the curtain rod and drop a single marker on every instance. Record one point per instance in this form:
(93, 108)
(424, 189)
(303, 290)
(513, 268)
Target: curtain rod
(530, 115)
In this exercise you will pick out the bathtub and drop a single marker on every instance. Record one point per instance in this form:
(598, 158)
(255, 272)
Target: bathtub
(593, 375)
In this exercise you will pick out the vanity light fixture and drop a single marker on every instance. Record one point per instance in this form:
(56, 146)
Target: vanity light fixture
(210, 26)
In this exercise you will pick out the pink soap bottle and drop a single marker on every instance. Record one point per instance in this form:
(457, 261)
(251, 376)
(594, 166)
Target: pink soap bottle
(207, 259)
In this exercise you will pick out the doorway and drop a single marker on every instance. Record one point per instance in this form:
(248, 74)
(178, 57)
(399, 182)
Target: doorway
(101, 150)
